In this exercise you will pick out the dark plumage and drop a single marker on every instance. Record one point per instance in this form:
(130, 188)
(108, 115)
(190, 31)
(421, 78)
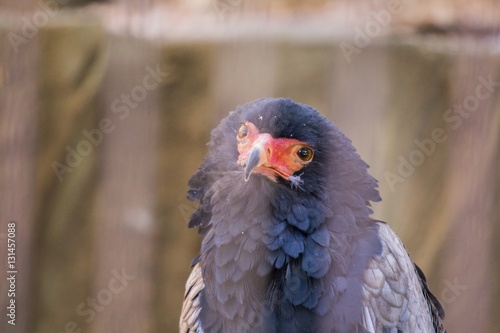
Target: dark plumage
(289, 245)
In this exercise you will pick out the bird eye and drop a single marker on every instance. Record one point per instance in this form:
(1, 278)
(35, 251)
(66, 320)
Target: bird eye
(243, 131)
(305, 154)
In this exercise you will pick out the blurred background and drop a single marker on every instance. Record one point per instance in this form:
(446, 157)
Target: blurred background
(106, 108)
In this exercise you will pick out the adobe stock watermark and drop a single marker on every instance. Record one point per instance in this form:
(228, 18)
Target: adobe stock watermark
(89, 309)
(380, 20)
(188, 207)
(31, 25)
(121, 106)
(187, 210)
(453, 117)
(11, 271)
(225, 8)
(452, 291)
(256, 318)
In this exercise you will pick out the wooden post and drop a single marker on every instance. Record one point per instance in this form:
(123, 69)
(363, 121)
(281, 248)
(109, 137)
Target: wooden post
(125, 207)
(237, 78)
(409, 177)
(72, 60)
(18, 131)
(467, 258)
(302, 72)
(186, 119)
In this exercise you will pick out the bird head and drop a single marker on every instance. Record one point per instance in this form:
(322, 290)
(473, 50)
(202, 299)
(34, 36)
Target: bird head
(281, 148)
(274, 139)
(269, 156)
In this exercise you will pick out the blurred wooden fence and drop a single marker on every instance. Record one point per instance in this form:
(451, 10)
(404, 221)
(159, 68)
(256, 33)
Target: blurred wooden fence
(99, 133)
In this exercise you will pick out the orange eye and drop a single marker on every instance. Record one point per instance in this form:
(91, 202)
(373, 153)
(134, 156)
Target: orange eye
(305, 154)
(243, 131)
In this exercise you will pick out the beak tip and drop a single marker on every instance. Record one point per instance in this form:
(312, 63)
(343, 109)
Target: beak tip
(253, 161)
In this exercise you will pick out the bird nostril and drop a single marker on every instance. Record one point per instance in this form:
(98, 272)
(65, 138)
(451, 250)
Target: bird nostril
(269, 151)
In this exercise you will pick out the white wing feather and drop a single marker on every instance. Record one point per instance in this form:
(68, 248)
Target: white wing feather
(393, 296)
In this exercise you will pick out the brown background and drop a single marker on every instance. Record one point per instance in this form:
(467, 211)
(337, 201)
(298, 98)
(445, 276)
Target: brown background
(122, 208)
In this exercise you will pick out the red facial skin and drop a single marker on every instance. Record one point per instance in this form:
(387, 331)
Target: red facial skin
(277, 157)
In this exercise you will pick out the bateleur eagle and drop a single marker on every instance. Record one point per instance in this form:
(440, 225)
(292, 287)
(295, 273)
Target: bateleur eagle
(288, 242)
